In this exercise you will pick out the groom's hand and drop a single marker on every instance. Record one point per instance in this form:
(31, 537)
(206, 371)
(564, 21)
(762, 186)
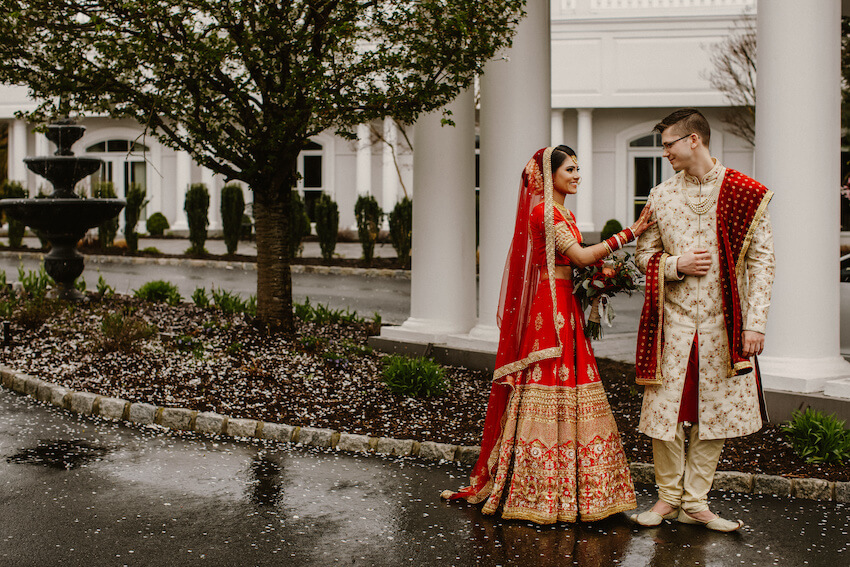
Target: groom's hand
(752, 343)
(694, 262)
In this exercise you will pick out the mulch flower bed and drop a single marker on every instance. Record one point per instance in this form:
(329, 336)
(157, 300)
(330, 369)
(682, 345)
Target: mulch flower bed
(325, 376)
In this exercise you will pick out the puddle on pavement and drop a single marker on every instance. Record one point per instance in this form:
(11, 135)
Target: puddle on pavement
(64, 455)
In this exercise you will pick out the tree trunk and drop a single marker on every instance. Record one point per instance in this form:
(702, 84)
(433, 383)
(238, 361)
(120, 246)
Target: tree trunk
(274, 277)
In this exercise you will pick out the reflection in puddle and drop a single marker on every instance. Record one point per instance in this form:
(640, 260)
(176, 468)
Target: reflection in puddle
(65, 455)
(264, 487)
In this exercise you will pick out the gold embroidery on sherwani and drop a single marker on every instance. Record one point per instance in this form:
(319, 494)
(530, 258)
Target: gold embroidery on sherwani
(538, 321)
(564, 373)
(559, 322)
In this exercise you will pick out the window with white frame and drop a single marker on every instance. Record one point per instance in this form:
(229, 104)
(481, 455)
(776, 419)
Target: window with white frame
(311, 183)
(646, 170)
(123, 164)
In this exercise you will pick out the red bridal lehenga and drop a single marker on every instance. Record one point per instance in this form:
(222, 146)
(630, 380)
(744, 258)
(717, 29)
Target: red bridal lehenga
(550, 450)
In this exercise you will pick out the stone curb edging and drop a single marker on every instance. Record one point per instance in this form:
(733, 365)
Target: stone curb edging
(224, 264)
(216, 424)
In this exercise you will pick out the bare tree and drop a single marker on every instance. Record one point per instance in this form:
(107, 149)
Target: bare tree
(733, 73)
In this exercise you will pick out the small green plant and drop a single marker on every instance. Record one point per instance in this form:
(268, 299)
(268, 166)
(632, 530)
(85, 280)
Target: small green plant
(311, 343)
(233, 349)
(132, 211)
(35, 283)
(612, 227)
(817, 437)
(228, 301)
(159, 291)
(369, 216)
(123, 331)
(80, 285)
(416, 377)
(355, 349)
(188, 343)
(14, 190)
(157, 224)
(401, 229)
(197, 207)
(153, 250)
(232, 210)
(34, 312)
(327, 224)
(109, 228)
(299, 223)
(103, 288)
(200, 298)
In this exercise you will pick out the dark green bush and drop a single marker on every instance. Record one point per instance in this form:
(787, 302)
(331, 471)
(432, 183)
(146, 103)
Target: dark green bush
(157, 224)
(416, 377)
(14, 190)
(232, 211)
(230, 302)
(197, 207)
(369, 216)
(159, 291)
(109, 228)
(817, 437)
(132, 211)
(611, 228)
(401, 229)
(123, 332)
(327, 224)
(32, 313)
(299, 223)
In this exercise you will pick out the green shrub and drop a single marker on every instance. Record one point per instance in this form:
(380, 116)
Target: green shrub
(200, 298)
(151, 250)
(197, 207)
(299, 223)
(401, 229)
(157, 224)
(232, 211)
(34, 312)
(109, 228)
(123, 332)
(817, 437)
(14, 190)
(323, 314)
(159, 291)
(327, 224)
(35, 283)
(611, 228)
(132, 211)
(369, 217)
(230, 302)
(416, 377)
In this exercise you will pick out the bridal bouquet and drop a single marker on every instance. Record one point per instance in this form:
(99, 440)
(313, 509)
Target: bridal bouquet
(596, 284)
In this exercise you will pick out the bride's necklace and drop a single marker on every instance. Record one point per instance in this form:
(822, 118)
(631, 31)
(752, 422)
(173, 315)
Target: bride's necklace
(705, 204)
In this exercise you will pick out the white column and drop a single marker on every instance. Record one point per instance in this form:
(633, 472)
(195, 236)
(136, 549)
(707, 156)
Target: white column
(364, 160)
(208, 178)
(515, 122)
(797, 130)
(557, 127)
(389, 175)
(442, 287)
(182, 179)
(584, 150)
(42, 145)
(16, 169)
(154, 177)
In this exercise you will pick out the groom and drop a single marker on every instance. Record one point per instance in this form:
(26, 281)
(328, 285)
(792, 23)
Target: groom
(709, 268)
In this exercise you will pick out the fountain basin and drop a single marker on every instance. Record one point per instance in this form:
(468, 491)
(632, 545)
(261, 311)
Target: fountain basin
(63, 172)
(68, 216)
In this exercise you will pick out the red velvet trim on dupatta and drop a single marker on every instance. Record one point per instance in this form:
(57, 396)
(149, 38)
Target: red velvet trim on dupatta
(651, 329)
(740, 205)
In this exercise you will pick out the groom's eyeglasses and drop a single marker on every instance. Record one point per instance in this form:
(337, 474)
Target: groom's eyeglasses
(668, 145)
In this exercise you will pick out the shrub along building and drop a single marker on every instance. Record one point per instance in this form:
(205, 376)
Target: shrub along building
(596, 75)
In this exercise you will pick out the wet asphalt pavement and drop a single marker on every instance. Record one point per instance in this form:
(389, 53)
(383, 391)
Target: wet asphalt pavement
(82, 491)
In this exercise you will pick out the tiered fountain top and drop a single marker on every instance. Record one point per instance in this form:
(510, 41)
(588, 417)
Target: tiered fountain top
(63, 169)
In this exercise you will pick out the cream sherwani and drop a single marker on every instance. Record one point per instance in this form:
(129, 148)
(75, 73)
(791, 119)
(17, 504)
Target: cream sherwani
(728, 405)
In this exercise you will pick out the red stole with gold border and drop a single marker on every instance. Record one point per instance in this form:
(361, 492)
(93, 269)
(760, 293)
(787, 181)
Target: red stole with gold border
(740, 205)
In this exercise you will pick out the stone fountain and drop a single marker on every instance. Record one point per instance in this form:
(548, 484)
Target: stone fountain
(63, 217)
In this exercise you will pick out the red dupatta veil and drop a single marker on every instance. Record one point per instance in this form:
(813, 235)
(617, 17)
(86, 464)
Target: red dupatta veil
(519, 283)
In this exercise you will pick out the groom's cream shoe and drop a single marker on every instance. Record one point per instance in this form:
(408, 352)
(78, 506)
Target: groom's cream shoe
(650, 518)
